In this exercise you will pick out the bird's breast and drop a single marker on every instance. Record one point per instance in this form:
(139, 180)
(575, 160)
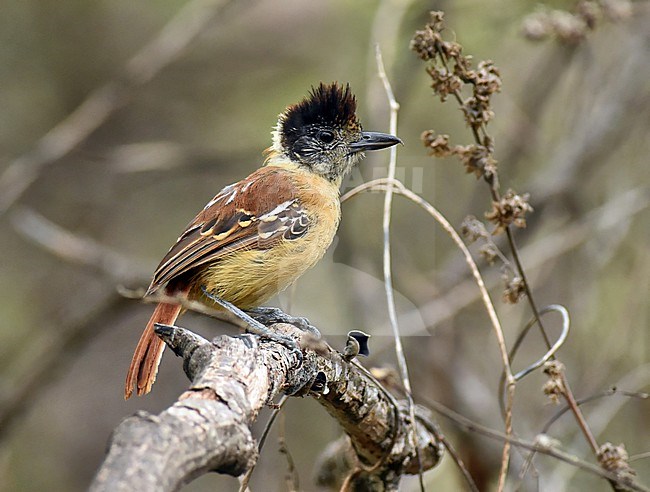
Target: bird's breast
(249, 278)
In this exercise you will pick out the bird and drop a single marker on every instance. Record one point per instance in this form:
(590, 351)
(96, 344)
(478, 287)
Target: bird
(258, 235)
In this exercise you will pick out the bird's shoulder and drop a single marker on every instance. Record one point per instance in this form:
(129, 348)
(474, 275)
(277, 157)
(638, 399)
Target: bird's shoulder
(258, 193)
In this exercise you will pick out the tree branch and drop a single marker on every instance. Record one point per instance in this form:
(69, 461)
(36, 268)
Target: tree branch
(209, 427)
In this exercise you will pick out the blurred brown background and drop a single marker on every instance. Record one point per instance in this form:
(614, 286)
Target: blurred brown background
(571, 128)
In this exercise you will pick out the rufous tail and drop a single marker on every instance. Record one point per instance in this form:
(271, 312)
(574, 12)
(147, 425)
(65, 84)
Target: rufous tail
(149, 351)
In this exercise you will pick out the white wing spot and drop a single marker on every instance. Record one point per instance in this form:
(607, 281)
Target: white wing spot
(278, 209)
(221, 195)
(185, 234)
(233, 194)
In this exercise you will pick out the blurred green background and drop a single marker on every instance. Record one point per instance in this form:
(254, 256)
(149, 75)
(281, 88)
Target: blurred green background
(571, 128)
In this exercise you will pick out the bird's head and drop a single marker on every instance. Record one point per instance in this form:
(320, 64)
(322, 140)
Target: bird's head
(322, 133)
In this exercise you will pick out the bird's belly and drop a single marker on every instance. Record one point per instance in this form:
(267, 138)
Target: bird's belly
(249, 278)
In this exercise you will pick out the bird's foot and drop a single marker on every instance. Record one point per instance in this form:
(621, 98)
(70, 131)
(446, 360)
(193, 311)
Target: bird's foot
(254, 326)
(269, 315)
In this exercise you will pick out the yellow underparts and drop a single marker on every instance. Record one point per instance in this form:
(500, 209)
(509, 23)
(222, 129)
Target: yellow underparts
(249, 278)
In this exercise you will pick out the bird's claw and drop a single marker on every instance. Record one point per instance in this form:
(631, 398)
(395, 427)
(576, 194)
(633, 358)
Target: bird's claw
(269, 315)
(257, 326)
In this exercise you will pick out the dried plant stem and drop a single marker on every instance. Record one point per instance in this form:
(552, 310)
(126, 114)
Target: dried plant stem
(292, 478)
(482, 138)
(493, 182)
(244, 479)
(567, 393)
(640, 456)
(575, 408)
(538, 447)
(402, 190)
(524, 278)
(510, 380)
(399, 188)
(459, 462)
(379, 184)
(388, 274)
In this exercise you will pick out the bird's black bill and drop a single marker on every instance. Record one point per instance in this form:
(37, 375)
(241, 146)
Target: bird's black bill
(374, 141)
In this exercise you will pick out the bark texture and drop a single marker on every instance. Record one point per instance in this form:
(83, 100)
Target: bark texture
(209, 427)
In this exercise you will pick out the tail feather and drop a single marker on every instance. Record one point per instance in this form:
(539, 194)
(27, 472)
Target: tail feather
(149, 351)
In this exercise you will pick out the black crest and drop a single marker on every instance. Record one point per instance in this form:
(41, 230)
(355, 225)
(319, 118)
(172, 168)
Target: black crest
(326, 105)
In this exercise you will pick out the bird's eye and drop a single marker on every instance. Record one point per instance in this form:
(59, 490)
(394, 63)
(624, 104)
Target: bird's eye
(325, 136)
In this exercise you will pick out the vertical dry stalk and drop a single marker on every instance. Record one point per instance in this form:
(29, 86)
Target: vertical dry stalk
(388, 274)
(450, 72)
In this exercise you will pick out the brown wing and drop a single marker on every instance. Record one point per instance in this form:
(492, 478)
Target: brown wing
(256, 212)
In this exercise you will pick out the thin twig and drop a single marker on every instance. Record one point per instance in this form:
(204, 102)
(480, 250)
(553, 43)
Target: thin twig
(567, 393)
(619, 210)
(639, 377)
(478, 127)
(170, 43)
(575, 409)
(292, 477)
(243, 481)
(524, 278)
(473, 267)
(399, 188)
(640, 456)
(636, 378)
(536, 446)
(459, 463)
(566, 324)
